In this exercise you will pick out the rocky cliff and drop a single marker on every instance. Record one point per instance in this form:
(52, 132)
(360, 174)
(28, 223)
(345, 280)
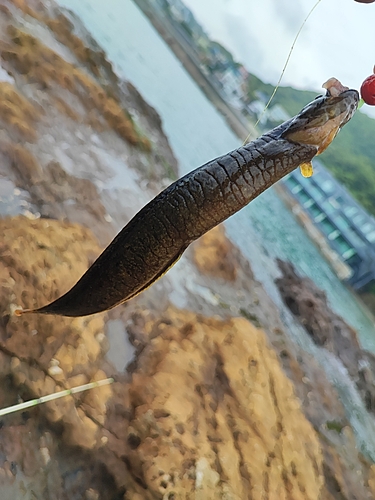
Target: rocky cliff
(205, 411)
(212, 398)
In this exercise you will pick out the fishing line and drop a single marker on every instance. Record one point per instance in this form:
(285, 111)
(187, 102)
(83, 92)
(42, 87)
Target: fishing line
(55, 395)
(285, 65)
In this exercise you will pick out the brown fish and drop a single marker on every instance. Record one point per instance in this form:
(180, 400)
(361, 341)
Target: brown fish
(156, 237)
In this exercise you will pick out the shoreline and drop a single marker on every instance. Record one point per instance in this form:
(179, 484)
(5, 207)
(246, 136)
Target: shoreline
(184, 53)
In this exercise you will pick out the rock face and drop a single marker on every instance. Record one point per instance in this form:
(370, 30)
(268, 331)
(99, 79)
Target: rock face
(327, 329)
(309, 304)
(215, 416)
(42, 355)
(213, 255)
(40, 259)
(73, 136)
(208, 411)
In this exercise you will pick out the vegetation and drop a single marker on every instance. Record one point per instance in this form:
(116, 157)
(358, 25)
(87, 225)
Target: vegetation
(250, 317)
(334, 425)
(226, 54)
(351, 156)
(255, 85)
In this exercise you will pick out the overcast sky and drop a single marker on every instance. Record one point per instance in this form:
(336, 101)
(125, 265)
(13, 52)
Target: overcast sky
(338, 39)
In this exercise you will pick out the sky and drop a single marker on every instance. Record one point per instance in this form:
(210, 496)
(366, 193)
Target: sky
(337, 40)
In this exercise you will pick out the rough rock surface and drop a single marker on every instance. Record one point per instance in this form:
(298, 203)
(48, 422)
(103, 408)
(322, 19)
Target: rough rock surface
(213, 255)
(327, 329)
(214, 416)
(73, 136)
(41, 355)
(40, 259)
(347, 474)
(207, 410)
(309, 304)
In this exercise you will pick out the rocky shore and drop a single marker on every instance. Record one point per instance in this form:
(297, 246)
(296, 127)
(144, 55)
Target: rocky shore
(213, 399)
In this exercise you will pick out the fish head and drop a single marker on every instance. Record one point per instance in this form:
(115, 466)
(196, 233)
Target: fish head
(319, 122)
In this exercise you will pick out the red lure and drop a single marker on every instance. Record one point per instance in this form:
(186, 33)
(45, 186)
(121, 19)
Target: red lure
(368, 90)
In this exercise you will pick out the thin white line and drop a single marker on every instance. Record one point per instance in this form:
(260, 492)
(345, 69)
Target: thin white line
(55, 395)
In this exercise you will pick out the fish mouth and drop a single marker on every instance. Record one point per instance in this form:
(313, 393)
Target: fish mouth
(319, 122)
(349, 100)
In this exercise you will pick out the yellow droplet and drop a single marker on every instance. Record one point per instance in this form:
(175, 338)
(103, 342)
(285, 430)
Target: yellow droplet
(306, 169)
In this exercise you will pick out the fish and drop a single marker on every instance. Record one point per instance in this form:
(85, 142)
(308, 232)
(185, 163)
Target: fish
(153, 241)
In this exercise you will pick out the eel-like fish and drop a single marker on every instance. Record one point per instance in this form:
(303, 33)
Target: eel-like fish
(156, 237)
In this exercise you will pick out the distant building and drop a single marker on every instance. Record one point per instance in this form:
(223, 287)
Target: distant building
(347, 227)
(233, 81)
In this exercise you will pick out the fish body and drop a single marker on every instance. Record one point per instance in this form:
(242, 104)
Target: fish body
(159, 233)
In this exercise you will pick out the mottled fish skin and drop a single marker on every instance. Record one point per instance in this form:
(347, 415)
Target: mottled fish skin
(158, 235)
